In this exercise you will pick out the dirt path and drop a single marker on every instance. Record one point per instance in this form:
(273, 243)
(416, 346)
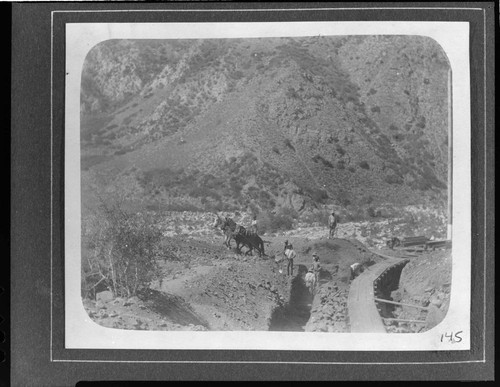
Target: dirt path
(180, 285)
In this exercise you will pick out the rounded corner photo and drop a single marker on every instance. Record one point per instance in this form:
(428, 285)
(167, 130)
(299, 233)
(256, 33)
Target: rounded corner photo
(297, 184)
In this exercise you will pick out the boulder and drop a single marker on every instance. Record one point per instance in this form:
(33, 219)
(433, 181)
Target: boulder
(104, 296)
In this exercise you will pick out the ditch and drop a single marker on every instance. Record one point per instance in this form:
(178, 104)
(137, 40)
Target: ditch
(294, 315)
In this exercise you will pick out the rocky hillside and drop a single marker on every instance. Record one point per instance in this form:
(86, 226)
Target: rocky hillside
(265, 123)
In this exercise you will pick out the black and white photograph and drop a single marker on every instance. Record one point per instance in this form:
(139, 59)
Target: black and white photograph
(251, 192)
(297, 182)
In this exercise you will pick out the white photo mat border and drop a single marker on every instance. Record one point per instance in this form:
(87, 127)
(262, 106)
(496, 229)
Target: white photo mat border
(286, 337)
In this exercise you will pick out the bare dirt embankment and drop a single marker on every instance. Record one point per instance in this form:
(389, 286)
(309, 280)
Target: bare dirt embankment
(425, 281)
(208, 288)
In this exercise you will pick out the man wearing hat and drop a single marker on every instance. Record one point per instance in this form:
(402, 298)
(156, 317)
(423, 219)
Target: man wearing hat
(310, 280)
(287, 246)
(316, 267)
(332, 224)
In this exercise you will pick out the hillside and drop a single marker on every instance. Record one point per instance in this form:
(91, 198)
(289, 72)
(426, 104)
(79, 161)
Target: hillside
(263, 124)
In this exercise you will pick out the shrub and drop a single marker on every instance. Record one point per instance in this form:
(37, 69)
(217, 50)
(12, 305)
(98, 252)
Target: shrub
(343, 198)
(121, 151)
(393, 179)
(291, 93)
(288, 143)
(368, 199)
(282, 222)
(318, 195)
(420, 122)
(289, 211)
(340, 150)
(370, 211)
(364, 165)
(269, 222)
(126, 249)
(235, 186)
(236, 75)
(325, 162)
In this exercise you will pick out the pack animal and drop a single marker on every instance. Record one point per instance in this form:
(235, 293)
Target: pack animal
(241, 236)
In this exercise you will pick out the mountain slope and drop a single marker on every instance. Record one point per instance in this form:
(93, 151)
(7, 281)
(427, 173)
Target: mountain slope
(266, 123)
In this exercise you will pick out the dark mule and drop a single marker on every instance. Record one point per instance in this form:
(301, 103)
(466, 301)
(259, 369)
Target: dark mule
(241, 236)
(250, 240)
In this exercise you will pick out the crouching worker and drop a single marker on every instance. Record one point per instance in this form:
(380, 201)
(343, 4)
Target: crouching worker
(310, 281)
(356, 269)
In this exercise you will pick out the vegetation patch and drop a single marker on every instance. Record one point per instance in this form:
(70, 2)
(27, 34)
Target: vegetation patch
(364, 165)
(122, 252)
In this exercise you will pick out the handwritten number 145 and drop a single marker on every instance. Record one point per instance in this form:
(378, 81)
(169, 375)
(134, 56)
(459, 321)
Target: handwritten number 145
(451, 337)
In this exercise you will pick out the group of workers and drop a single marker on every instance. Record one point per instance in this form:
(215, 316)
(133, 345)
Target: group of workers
(312, 276)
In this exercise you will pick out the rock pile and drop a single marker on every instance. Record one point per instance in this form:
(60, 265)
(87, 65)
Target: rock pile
(240, 295)
(329, 310)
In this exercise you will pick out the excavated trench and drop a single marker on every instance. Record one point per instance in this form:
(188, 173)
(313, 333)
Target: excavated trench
(294, 315)
(384, 285)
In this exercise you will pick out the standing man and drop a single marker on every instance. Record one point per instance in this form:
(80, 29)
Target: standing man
(332, 224)
(316, 267)
(287, 246)
(254, 224)
(290, 255)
